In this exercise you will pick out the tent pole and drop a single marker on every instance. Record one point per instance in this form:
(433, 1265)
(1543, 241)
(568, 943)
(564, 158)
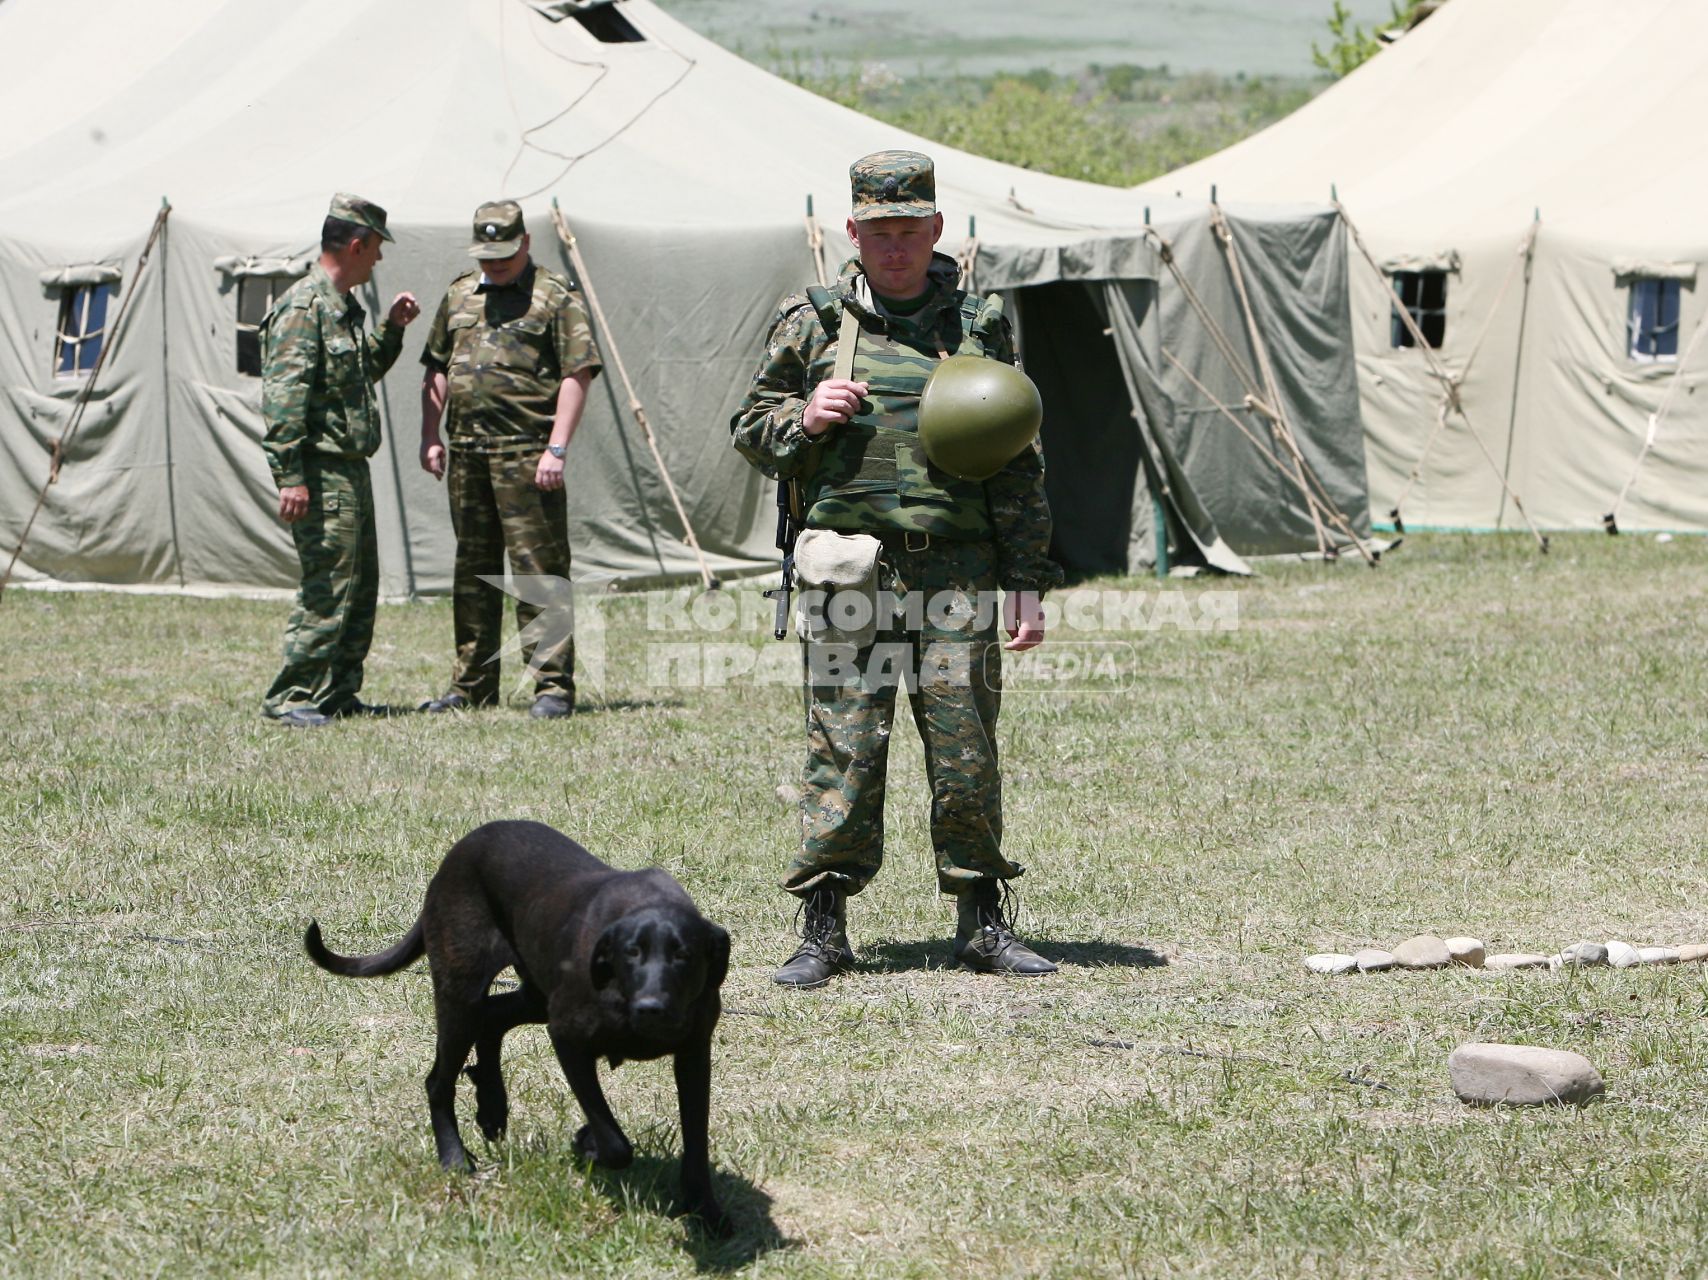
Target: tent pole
(390, 437)
(1517, 366)
(166, 402)
(635, 406)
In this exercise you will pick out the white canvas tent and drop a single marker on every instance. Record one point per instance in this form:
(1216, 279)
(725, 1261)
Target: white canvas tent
(685, 174)
(1563, 127)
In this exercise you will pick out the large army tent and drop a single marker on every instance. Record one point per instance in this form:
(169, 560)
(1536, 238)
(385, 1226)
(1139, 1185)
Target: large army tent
(1521, 172)
(686, 176)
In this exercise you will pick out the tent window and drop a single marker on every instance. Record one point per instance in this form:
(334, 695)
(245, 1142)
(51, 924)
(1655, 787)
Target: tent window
(82, 326)
(1653, 323)
(608, 26)
(255, 298)
(1424, 294)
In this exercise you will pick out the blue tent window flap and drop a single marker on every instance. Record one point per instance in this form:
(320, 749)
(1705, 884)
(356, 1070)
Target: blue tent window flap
(82, 328)
(1424, 294)
(1652, 324)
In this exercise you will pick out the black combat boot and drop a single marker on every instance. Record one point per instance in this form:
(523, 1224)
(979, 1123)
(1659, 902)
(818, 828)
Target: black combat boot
(984, 938)
(824, 949)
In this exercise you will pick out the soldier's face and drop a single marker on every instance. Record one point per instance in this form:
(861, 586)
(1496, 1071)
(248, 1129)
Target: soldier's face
(896, 252)
(360, 258)
(503, 271)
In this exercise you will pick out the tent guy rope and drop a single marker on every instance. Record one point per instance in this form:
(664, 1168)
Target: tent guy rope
(75, 418)
(1610, 521)
(635, 407)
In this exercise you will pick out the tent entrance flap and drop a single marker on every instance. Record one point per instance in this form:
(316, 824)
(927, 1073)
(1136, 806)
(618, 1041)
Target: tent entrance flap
(1102, 462)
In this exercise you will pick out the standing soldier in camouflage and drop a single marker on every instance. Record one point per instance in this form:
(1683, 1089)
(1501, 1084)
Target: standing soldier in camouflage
(318, 372)
(511, 357)
(849, 441)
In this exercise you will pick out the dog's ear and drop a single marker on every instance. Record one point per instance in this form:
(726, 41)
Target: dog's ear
(717, 955)
(604, 967)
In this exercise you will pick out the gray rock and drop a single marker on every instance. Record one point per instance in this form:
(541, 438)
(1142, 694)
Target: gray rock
(1372, 960)
(1330, 962)
(1657, 955)
(788, 793)
(1584, 953)
(1515, 960)
(1466, 951)
(1520, 1075)
(1423, 952)
(1622, 955)
(1693, 952)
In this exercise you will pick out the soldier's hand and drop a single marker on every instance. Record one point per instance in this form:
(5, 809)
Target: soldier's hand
(1023, 619)
(549, 474)
(835, 400)
(433, 460)
(404, 308)
(293, 502)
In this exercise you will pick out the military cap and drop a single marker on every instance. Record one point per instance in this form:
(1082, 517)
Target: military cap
(364, 213)
(498, 229)
(893, 184)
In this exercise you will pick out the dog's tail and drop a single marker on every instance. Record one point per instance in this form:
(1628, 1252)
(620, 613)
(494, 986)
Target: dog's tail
(407, 951)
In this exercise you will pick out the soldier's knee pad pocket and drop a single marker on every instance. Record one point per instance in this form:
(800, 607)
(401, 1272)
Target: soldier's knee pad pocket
(838, 578)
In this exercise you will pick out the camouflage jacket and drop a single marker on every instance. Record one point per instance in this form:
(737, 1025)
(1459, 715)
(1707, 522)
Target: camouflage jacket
(767, 430)
(318, 369)
(505, 351)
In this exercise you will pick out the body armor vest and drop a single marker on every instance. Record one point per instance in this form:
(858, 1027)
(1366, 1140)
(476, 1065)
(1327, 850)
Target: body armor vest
(870, 474)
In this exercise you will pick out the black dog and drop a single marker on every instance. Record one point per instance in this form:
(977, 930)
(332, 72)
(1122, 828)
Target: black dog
(618, 964)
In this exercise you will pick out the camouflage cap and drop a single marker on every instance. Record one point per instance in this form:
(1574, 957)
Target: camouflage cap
(498, 230)
(893, 184)
(364, 213)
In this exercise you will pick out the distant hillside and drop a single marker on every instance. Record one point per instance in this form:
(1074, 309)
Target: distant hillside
(980, 37)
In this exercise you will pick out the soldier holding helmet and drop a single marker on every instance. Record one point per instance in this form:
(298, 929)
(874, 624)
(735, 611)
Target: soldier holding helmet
(835, 410)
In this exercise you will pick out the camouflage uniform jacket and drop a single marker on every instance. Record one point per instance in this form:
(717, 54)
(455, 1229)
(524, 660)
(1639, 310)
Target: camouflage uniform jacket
(505, 351)
(767, 429)
(318, 369)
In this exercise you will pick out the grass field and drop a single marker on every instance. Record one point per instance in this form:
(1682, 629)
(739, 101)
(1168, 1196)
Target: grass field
(1472, 739)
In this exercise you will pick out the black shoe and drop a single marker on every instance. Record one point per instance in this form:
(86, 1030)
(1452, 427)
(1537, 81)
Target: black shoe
(985, 939)
(303, 718)
(824, 950)
(451, 702)
(551, 706)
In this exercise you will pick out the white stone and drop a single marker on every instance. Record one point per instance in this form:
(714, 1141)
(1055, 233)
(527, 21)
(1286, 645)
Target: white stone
(1516, 960)
(1374, 960)
(1466, 951)
(1622, 955)
(1657, 955)
(1330, 962)
(1425, 951)
(1556, 962)
(1693, 952)
(1583, 953)
(1521, 1075)
(788, 793)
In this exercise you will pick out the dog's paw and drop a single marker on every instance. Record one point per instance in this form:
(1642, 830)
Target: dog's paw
(707, 1214)
(606, 1154)
(492, 1127)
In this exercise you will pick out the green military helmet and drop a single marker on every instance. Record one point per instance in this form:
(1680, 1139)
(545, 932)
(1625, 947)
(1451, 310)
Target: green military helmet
(977, 415)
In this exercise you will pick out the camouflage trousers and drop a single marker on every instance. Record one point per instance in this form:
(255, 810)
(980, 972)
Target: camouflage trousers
(495, 509)
(950, 663)
(332, 624)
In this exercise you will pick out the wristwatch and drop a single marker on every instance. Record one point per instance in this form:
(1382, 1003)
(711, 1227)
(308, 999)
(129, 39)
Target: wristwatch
(557, 450)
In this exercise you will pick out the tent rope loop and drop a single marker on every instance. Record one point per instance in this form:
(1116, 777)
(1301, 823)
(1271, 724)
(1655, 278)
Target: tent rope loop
(635, 407)
(75, 419)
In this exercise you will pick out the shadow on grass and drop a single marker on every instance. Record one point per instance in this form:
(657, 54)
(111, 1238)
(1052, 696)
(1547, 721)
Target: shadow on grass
(650, 1184)
(893, 956)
